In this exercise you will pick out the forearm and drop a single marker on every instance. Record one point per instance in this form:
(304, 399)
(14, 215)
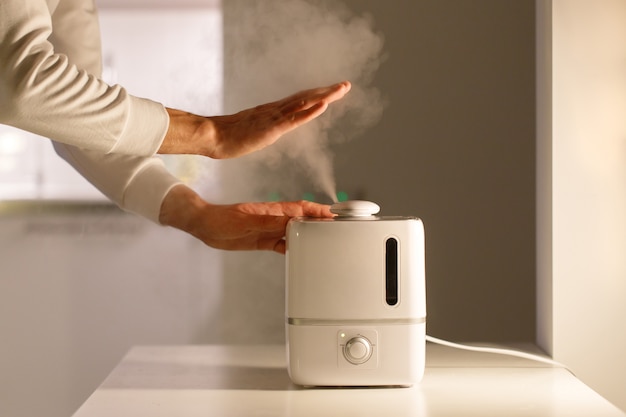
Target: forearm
(135, 184)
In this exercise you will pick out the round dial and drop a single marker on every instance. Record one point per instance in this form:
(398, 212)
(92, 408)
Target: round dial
(357, 350)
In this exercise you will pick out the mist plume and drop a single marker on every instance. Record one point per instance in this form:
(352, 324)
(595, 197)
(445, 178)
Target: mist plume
(276, 47)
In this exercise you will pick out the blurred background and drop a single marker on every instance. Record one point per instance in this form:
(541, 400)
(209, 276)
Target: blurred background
(455, 117)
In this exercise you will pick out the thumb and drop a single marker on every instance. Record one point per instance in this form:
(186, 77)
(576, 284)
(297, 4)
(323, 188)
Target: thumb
(275, 225)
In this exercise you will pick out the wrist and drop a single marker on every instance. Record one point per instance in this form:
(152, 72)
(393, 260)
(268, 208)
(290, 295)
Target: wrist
(188, 133)
(181, 208)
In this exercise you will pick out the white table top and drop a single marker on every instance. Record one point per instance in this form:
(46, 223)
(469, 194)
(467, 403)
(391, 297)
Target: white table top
(225, 381)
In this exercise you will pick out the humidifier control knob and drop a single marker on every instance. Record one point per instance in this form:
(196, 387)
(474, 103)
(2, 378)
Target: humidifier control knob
(357, 350)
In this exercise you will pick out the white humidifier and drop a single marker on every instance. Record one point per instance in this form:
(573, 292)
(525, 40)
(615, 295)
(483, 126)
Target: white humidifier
(356, 303)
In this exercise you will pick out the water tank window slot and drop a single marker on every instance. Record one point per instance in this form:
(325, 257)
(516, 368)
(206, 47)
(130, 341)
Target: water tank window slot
(391, 271)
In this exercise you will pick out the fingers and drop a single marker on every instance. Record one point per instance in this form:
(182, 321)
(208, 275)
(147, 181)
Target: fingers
(256, 128)
(295, 209)
(287, 208)
(307, 98)
(275, 245)
(268, 222)
(307, 115)
(309, 104)
(271, 235)
(330, 93)
(306, 208)
(280, 246)
(338, 91)
(254, 226)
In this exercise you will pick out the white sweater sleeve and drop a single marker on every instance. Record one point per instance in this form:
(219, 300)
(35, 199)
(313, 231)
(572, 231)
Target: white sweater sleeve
(107, 135)
(136, 184)
(46, 92)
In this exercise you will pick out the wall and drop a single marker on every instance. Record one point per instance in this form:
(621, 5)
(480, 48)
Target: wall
(80, 283)
(79, 287)
(455, 146)
(585, 165)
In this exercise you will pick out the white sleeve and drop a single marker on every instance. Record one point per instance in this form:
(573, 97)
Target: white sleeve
(107, 135)
(136, 184)
(56, 95)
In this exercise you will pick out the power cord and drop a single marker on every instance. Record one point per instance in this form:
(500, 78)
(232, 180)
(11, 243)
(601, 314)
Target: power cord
(508, 352)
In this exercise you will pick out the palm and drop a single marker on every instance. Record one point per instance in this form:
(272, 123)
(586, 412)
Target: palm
(253, 226)
(254, 129)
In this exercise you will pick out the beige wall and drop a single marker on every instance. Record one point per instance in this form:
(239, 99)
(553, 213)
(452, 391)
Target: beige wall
(455, 146)
(584, 162)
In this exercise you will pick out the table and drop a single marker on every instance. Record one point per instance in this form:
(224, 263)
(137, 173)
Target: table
(237, 381)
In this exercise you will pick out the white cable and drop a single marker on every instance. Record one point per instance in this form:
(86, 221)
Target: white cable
(509, 352)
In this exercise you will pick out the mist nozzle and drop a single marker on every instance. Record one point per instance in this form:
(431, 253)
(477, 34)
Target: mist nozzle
(355, 208)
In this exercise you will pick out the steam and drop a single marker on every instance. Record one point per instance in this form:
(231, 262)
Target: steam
(276, 47)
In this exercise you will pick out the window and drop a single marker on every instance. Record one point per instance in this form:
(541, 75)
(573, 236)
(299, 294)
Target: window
(168, 55)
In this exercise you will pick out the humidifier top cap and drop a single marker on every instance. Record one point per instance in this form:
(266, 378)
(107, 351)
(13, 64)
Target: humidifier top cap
(355, 208)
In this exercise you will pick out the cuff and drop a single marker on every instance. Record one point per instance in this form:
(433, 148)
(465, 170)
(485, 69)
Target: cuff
(147, 120)
(147, 189)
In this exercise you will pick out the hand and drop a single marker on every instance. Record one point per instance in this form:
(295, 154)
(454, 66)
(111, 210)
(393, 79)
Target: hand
(254, 129)
(249, 130)
(244, 226)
